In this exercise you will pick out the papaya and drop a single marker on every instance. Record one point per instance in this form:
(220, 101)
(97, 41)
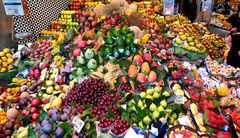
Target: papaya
(145, 68)
(132, 71)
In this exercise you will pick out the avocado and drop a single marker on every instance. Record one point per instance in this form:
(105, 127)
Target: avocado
(120, 42)
(125, 30)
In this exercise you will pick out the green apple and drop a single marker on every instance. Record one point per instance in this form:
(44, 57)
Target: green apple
(146, 120)
(160, 109)
(156, 95)
(161, 119)
(150, 91)
(143, 95)
(163, 103)
(155, 114)
(166, 94)
(150, 97)
(153, 107)
(140, 104)
(158, 89)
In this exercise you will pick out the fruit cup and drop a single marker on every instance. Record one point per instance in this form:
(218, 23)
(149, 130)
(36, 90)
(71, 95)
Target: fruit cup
(105, 124)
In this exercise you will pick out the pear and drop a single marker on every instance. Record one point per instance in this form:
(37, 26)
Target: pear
(153, 107)
(150, 91)
(161, 119)
(166, 94)
(140, 104)
(150, 97)
(158, 89)
(156, 95)
(168, 111)
(160, 109)
(174, 116)
(163, 103)
(140, 124)
(146, 120)
(143, 95)
(155, 114)
(171, 120)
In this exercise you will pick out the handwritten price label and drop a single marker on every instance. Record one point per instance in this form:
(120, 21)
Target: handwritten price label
(78, 124)
(179, 99)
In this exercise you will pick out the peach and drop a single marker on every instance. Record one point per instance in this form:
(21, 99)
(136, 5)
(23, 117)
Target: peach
(132, 71)
(138, 59)
(152, 77)
(123, 79)
(142, 78)
(147, 57)
(145, 68)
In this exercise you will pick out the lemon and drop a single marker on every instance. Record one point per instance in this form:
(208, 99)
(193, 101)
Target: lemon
(4, 64)
(3, 69)
(9, 55)
(4, 59)
(6, 50)
(10, 60)
(2, 54)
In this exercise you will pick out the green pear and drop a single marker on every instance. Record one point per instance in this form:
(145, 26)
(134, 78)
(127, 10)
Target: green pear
(150, 91)
(146, 120)
(140, 124)
(180, 114)
(143, 95)
(156, 95)
(174, 115)
(153, 107)
(161, 119)
(160, 109)
(158, 89)
(150, 97)
(155, 114)
(171, 120)
(175, 122)
(168, 111)
(131, 102)
(166, 94)
(163, 103)
(140, 104)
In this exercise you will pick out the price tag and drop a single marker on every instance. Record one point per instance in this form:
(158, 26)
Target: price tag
(179, 99)
(78, 124)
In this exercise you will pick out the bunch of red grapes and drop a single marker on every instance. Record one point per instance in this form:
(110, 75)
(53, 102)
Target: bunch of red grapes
(90, 91)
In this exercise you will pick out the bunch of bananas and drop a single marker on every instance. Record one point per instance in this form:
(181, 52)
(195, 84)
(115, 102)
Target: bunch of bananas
(108, 73)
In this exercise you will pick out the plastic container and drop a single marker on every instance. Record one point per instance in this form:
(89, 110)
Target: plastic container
(120, 135)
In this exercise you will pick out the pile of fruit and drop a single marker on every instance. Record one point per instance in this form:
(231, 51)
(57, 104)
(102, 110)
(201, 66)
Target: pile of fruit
(119, 70)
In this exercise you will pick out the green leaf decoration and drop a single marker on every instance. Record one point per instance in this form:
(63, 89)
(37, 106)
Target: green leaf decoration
(67, 129)
(86, 113)
(31, 133)
(110, 113)
(44, 115)
(125, 116)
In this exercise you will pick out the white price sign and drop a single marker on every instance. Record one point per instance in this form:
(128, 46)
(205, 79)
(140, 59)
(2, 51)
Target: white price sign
(179, 99)
(78, 124)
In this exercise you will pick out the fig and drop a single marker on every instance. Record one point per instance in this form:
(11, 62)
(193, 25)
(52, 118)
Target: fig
(55, 117)
(64, 117)
(59, 132)
(8, 132)
(47, 128)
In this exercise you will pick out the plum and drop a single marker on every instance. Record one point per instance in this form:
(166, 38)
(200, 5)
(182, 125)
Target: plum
(64, 117)
(8, 132)
(55, 118)
(44, 122)
(47, 128)
(59, 132)
(44, 136)
(67, 110)
(74, 111)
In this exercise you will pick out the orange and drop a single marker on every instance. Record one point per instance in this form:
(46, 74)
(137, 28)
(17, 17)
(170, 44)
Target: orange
(9, 55)
(16, 90)
(4, 64)
(3, 69)
(4, 59)
(10, 61)
(9, 97)
(6, 50)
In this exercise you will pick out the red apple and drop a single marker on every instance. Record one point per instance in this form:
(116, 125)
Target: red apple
(33, 110)
(76, 52)
(35, 116)
(36, 102)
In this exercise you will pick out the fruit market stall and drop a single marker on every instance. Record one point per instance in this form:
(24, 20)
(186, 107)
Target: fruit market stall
(109, 70)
